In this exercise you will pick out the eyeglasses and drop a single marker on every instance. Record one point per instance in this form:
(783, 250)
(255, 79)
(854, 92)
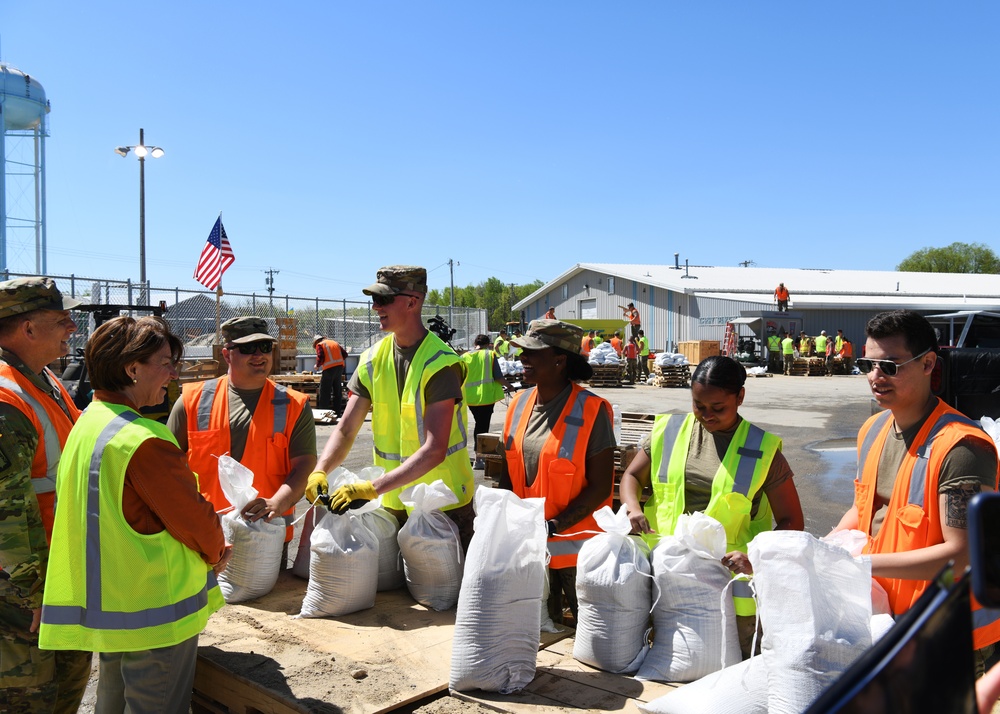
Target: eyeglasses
(886, 366)
(251, 347)
(383, 300)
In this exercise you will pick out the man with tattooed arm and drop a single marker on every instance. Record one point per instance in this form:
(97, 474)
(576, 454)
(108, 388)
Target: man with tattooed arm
(919, 464)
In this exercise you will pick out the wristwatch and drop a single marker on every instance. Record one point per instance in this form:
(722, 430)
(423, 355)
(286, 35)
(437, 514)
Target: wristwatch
(551, 526)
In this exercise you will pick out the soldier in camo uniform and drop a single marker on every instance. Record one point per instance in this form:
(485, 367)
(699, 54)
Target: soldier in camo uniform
(36, 415)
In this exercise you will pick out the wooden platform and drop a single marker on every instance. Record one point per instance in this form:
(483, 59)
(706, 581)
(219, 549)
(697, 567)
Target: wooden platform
(257, 658)
(607, 375)
(809, 367)
(672, 375)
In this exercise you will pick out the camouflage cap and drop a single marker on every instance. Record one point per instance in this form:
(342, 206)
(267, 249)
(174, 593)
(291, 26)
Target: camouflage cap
(550, 333)
(240, 330)
(27, 294)
(396, 279)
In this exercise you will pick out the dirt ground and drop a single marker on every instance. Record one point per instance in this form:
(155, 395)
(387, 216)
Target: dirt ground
(817, 417)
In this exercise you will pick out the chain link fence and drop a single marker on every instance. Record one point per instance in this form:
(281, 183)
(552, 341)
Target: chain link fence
(194, 314)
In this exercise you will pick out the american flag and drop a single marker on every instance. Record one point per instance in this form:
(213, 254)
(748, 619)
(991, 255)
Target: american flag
(215, 257)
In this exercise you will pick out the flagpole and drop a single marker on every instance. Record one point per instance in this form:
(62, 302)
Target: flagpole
(218, 304)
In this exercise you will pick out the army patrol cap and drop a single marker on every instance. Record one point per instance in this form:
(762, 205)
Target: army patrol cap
(396, 279)
(27, 294)
(241, 330)
(550, 333)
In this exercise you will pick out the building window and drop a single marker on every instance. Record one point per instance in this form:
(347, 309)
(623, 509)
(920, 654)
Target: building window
(611, 285)
(565, 291)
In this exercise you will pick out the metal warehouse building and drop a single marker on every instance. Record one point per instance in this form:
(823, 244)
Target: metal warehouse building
(678, 302)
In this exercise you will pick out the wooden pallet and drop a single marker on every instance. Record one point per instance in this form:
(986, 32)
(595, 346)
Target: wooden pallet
(606, 375)
(809, 367)
(671, 375)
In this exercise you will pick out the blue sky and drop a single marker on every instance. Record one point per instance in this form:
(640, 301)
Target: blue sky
(515, 138)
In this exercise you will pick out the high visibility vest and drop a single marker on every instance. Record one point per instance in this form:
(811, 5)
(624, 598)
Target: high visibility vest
(108, 588)
(480, 387)
(740, 477)
(913, 519)
(643, 346)
(398, 422)
(820, 343)
(206, 409)
(838, 343)
(53, 426)
(501, 346)
(847, 350)
(781, 294)
(788, 346)
(562, 472)
(617, 344)
(774, 344)
(804, 346)
(585, 345)
(333, 355)
(633, 317)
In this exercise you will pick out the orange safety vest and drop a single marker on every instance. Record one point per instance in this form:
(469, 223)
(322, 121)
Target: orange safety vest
(561, 464)
(206, 408)
(847, 350)
(781, 294)
(913, 518)
(333, 355)
(633, 317)
(617, 344)
(585, 345)
(53, 426)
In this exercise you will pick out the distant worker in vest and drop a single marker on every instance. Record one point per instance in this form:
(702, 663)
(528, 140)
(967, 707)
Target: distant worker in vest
(410, 371)
(135, 547)
(36, 414)
(616, 342)
(731, 469)
(631, 353)
(330, 362)
(587, 343)
(500, 345)
(819, 344)
(265, 426)
(847, 354)
(773, 351)
(915, 509)
(830, 354)
(805, 344)
(483, 386)
(550, 314)
(788, 353)
(514, 352)
(643, 354)
(781, 297)
(558, 444)
(838, 341)
(632, 316)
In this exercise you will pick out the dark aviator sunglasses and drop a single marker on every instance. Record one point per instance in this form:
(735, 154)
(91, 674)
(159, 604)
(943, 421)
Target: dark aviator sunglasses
(885, 366)
(251, 347)
(383, 300)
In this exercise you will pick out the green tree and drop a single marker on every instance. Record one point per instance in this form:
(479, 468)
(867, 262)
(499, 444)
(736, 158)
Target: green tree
(955, 258)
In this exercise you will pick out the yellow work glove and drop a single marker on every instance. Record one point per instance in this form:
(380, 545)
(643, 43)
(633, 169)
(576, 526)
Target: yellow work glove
(316, 485)
(340, 500)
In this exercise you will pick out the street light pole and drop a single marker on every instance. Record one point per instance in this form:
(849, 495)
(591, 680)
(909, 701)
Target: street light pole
(140, 151)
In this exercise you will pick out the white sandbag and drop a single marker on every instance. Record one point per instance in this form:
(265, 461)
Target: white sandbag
(343, 569)
(495, 644)
(614, 588)
(430, 546)
(257, 547)
(694, 620)
(739, 689)
(815, 606)
(390, 564)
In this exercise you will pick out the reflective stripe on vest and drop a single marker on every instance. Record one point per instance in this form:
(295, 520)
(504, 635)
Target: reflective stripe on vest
(49, 437)
(280, 402)
(743, 598)
(329, 359)
(92, 615)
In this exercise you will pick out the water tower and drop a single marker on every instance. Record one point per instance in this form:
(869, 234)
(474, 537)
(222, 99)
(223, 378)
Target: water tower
(22, 182)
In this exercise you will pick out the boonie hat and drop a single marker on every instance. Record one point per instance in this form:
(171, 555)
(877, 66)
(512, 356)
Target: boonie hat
(240, 330)
(550, 333)
(396, 279)
(27, 294)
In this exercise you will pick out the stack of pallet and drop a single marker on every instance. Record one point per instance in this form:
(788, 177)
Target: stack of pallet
(606, 375)
(306, 383)
(672, 375)
(809, 367)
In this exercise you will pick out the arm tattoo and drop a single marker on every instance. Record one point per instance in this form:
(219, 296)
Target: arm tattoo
(958, 504)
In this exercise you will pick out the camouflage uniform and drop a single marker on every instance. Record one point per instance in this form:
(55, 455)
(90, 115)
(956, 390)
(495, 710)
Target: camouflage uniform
(31, 680)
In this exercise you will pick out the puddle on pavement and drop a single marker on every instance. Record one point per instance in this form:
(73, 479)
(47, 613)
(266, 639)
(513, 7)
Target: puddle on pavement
(839, 467)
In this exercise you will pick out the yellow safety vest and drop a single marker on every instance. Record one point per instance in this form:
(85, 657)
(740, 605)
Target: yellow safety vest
(398, 422)
(480, 387)
(820, 343)
(788, 346)
(740, 476)
(108, 588)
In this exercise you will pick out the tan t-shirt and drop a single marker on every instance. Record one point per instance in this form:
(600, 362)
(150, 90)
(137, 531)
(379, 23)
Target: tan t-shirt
(705, 453)
(446, 384)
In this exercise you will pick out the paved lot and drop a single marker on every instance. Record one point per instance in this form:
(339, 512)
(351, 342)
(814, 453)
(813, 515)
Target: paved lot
(817, 418)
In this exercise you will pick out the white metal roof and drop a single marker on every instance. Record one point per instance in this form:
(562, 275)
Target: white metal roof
(807, 287)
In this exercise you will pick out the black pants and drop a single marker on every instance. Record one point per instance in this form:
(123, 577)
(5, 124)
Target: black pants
(330, 396)
(482, 413)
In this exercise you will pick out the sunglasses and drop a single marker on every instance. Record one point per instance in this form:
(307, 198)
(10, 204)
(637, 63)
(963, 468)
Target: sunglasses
(885, 366)
(251, 347)
(383, 300)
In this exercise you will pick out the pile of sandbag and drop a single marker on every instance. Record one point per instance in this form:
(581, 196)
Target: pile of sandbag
(604, 353)
(510, 367)
(257, 547)
(694, 620)
(614, 595)
(430, 546)
(495, 645)
(666, 359)
(814, 600)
